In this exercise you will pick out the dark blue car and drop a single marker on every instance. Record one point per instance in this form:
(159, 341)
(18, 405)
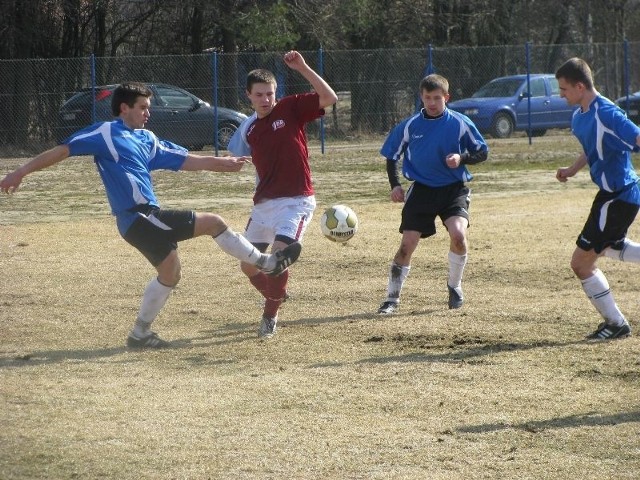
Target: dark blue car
(502, 106)
(176, 115)
(631, 105)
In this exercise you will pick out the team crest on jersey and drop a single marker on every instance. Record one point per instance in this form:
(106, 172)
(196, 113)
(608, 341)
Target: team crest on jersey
(277, 125)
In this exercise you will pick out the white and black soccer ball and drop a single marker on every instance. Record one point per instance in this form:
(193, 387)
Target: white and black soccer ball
(339, 223)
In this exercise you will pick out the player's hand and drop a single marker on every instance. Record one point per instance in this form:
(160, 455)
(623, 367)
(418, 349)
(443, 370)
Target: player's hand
(453, 160)
(235, 164)
(11, 182)
(397, 194)
(563, 174)
(294, 60)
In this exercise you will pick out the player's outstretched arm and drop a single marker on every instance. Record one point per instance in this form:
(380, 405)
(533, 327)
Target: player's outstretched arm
(214, 164)
(12, 181)
(295, 61)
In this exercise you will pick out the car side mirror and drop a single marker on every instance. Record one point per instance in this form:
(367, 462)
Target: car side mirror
(523, 95)
(195, 106)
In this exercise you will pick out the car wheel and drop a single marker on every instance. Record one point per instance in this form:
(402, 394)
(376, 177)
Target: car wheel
(225, 132)
(502, 126)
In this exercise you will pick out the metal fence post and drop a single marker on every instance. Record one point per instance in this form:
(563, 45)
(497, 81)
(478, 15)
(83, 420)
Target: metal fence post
(214, 64)
(428, 70)
(92, 66)
(321, 73)
(626, 75)
(527, 49)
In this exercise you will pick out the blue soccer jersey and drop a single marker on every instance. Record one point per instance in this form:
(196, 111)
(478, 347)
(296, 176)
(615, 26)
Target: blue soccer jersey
(608, 138)
(424, 144)
(125, 158)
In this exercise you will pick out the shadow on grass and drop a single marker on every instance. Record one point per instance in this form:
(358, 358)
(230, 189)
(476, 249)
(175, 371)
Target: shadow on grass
(463, 354)
(591, 419)
(357, 316)
(45, 357)
(206, 339)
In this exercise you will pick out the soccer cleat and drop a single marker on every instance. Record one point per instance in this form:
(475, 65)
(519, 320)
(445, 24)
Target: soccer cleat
(150, 341)
(387, 308)
(609, 332)
(455, 297)
(285, 258)
(268, 327)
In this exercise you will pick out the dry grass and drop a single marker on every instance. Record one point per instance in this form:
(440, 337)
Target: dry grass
(503, 388)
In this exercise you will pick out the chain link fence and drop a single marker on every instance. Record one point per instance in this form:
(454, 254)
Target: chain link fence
(377, 88)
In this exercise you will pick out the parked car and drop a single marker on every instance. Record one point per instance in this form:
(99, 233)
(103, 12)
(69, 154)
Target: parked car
(501, 106)
(176, 115)
(632, 108)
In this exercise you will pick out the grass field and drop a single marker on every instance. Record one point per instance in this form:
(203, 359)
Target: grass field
(505, 387)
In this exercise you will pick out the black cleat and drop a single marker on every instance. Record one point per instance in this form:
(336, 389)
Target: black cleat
(455, 298)
(285, 258)
(150, 341)
(609, 332)
(388, 308)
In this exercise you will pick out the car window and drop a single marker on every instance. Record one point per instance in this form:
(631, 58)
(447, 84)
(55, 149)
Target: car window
(83, 99)
(172, 98)
(537, 87)
(555, 88)
(499, 88)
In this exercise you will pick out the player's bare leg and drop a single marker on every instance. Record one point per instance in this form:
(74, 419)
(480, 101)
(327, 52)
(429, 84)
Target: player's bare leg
(457, 228)
(399, 271)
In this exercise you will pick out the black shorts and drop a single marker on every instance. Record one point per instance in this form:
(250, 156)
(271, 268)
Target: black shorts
(423, 204)
(607, 224)
(157, 232)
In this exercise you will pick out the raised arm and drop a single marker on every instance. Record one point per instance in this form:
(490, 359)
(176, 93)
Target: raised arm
(214, 164)
(12, 181)
(295, 61)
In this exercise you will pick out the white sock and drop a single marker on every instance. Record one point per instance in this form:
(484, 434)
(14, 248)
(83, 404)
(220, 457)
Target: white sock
(456, 269)
(153, 299)
(238, 246)
(397, 275)
(630, 252)
(597, 289)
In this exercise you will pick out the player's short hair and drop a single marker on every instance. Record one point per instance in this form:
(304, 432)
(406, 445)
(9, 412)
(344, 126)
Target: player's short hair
(576, 70)
(259, 75)
(128, 93)
(434, 82)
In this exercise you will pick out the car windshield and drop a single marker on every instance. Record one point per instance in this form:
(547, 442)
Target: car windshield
(499, 88)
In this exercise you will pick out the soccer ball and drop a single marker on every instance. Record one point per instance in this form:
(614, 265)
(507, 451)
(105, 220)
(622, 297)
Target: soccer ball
(339, 223)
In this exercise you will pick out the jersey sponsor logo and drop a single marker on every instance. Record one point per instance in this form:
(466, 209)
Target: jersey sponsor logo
(277, 125)
(414, 136)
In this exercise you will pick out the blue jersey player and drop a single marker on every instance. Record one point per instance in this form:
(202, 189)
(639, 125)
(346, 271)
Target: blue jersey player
(607, 138)
(435, 146)
(125, 154)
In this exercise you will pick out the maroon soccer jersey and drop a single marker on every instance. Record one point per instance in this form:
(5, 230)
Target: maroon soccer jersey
(279, 148)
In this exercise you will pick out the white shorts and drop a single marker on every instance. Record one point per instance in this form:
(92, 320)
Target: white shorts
(288, 216)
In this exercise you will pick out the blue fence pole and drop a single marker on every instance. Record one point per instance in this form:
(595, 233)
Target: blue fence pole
(626, 75)
(92, 66)
(528, 62)
(428, 70)
(321, 73)
(214, 63)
